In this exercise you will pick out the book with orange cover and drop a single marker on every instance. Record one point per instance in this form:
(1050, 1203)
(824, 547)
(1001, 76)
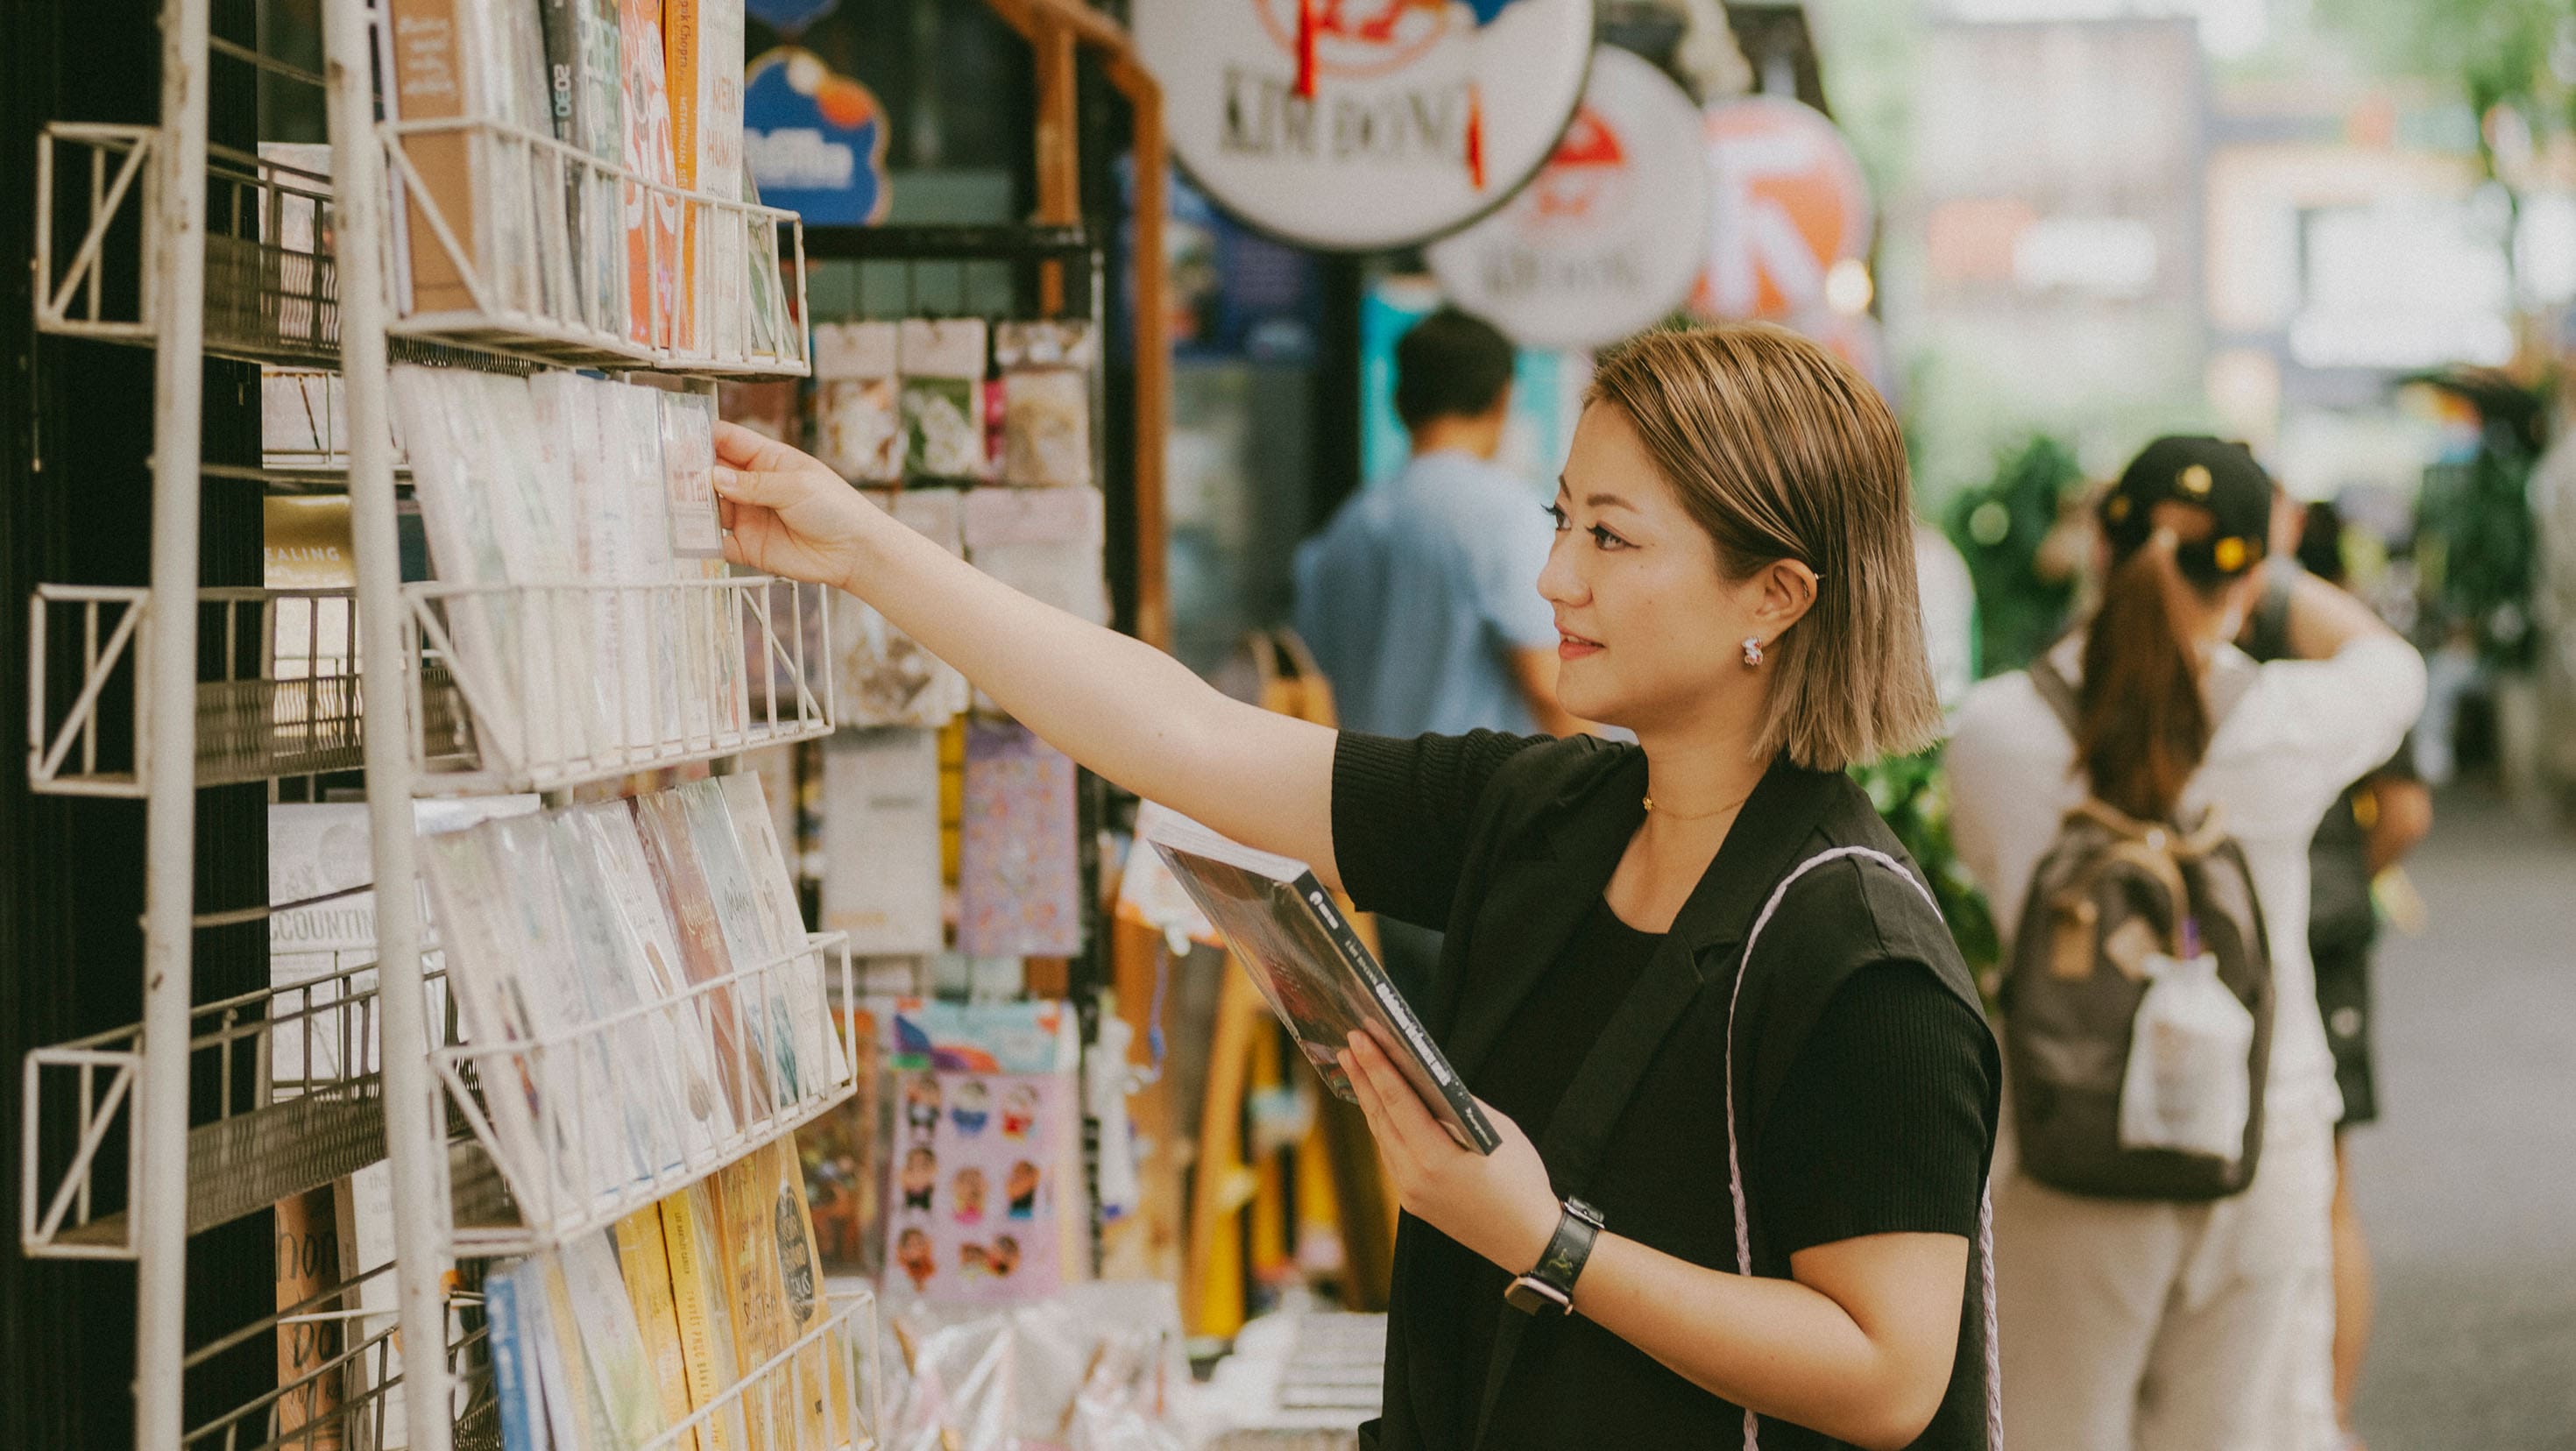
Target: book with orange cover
(703, 40)
(652, 218)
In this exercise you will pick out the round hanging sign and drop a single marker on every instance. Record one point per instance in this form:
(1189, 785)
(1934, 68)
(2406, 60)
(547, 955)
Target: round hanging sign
(815, 141)
(1790, 202)
(1612, 232)
(1358, 125)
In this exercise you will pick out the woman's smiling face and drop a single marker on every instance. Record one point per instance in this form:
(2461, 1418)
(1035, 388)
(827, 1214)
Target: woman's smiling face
(1649, 627)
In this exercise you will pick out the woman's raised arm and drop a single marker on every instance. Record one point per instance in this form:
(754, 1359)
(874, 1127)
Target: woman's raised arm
(1117, 705)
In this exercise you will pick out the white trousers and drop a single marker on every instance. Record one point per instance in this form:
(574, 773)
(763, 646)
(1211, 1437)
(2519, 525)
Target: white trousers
(2172, 1327)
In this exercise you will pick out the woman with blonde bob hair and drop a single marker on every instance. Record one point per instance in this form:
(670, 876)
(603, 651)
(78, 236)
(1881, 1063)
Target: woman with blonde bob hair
(1745, 1092)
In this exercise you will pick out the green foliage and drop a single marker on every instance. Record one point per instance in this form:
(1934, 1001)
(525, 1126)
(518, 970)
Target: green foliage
(1913, 793)
(2480, 548)
(2498, 52)
(1999, 526)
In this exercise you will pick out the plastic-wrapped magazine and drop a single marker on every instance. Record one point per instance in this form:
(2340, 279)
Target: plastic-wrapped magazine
(603, 1108)
(638, 526)
(1317, 975)
(741, 1053)
(592, 513)
(645, 1081)
(752, 937)
(497, 1006)
(687, 1038)
(612, 1339)
(757, 829)
(485, 631)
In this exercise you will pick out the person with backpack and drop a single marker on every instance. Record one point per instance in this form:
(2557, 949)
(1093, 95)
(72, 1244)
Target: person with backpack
(1744, 1090)
(2138, 807)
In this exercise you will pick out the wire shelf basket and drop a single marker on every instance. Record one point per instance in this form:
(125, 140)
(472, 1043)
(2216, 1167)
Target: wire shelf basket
(565, 1166)
(289, 1093)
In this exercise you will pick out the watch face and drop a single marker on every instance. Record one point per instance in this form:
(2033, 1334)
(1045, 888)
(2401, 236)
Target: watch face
(1532, 1297)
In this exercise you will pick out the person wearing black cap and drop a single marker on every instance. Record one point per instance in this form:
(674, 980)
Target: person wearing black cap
(2159, 1326)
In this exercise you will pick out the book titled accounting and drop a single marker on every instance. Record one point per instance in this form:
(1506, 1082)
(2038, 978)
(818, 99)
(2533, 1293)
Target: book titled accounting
(1318, 976)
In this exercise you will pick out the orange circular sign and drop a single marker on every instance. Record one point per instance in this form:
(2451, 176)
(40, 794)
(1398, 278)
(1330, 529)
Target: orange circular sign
(1788, 202)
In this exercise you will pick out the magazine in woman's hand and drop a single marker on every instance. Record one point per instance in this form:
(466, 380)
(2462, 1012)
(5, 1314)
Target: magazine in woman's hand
(1316, 973)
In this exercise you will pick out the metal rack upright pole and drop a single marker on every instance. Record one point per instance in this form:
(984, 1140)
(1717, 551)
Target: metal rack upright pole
(414, 1143)
(175, 255)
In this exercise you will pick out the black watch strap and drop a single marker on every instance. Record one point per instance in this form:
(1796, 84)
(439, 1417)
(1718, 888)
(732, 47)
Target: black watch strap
(1548, 1289)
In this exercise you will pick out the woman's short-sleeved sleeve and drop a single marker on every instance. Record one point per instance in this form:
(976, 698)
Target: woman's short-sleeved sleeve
(1401, 813)
(1884, 1124)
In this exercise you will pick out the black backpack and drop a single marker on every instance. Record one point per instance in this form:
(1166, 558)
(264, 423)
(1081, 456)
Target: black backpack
(2110, 891)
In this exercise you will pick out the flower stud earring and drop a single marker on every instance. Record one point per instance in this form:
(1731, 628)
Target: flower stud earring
(1752, 652)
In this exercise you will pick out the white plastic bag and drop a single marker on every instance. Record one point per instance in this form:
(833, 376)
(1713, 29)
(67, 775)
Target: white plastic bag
(2187, 1087)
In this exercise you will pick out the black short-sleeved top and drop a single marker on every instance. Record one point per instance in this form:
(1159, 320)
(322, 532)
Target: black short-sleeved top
(1865, 1077)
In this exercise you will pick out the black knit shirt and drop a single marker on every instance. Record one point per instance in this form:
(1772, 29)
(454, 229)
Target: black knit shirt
(1883, 1124)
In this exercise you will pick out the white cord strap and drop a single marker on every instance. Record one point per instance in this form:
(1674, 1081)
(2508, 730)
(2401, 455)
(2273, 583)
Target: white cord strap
(1735, 1168)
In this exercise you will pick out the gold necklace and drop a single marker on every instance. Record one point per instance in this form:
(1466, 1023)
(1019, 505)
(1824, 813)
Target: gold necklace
(1703, 816)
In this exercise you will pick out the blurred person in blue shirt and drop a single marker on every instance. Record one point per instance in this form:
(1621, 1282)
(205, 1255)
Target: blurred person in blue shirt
(1420, 599)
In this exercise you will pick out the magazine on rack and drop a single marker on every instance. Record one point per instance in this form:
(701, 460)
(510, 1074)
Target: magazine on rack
(1318, 976)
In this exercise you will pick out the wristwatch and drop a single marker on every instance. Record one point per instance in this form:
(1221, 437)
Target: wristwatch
(1549, 1288)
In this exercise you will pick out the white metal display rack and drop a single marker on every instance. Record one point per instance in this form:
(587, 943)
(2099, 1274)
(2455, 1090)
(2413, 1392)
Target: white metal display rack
(253, 259)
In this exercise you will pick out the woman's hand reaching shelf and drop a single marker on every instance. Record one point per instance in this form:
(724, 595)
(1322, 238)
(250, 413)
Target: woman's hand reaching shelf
(1117, 705)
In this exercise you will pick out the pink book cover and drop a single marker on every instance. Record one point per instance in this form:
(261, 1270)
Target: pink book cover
(1019, 885)
(652, 218)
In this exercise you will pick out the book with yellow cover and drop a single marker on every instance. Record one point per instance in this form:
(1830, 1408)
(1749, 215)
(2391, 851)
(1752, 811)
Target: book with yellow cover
(704, 1309)
(646, 1266)
(747, 1219)
(801, 1302)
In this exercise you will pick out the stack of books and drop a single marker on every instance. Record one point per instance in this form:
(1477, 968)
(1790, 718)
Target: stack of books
(573, 169)
(664, 1330)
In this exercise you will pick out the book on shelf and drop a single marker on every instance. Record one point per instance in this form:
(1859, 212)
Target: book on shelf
(652, 215)
(612, 1339)
(1019, 883)
(594, 513)
(752, 936)
(703, 1302)
(309, 1262)
(802, 1306)
(478, 64)
(637, 530)
(585, 65)
(1321, 980)
(646, 1265)
(703, 42)
(755, 826)
(741, 1056)
(649, 1069)
(603, 1117)
(881, 840)
(493, 521)
(494, 1005)
(688, 1037)
(748, 1223)
(516, 1389)
(575, 1405)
